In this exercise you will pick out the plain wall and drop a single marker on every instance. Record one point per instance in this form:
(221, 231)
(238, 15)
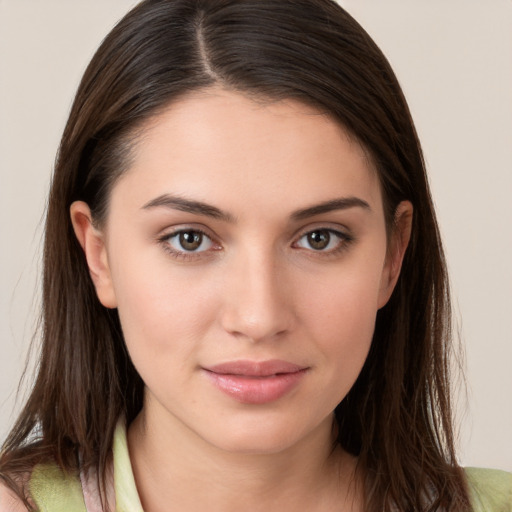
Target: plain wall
(454, 61)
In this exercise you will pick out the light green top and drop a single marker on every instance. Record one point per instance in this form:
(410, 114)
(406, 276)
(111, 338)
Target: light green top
(491, 489)
(53, 491)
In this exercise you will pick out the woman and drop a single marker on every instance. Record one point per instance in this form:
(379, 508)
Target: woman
(245, 298)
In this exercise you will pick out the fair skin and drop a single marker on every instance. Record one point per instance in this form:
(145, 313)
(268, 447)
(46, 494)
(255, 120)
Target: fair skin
(245, 240)
(9, 502)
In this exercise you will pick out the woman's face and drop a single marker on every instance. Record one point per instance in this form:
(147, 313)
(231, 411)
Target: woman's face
(245, 249)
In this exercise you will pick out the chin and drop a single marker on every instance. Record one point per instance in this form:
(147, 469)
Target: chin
(254, 445)
(266, 436)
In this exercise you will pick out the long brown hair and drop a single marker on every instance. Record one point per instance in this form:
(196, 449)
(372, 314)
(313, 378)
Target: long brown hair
(397, 417)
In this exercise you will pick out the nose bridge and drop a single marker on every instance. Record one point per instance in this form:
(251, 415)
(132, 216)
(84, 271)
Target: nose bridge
(256, 304)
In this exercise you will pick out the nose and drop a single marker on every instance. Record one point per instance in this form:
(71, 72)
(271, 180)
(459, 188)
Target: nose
(258, 303)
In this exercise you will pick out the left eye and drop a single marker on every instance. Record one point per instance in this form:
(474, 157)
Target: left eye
(189, 241)
(321, 240)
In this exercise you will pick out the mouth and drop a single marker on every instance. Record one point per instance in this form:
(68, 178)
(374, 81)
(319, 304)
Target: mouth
(254, 382)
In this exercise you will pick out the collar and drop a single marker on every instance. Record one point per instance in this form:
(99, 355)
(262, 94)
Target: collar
(127, 497)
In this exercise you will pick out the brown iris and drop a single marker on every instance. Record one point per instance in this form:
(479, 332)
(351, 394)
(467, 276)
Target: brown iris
(319, 239)
(190, 240)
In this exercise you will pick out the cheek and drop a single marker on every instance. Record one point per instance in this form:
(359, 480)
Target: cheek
(345, 325)
(345, 300)
(162, 311)
(340, 315)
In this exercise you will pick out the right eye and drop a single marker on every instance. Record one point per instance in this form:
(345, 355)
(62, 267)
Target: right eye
(187, 241)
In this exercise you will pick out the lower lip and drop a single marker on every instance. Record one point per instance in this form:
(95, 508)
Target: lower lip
(256, 390)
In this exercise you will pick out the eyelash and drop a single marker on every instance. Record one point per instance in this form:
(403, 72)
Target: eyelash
(344, 240)
(165, 240)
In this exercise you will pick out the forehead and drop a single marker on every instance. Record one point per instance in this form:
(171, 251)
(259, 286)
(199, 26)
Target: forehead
(223, 147)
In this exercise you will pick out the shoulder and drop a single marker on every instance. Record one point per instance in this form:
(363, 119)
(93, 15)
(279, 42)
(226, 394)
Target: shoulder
(491, 489)
(9, 502)
(54, 491)
(49, 489)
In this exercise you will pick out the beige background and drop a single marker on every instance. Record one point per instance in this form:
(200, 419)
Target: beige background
(454, 60)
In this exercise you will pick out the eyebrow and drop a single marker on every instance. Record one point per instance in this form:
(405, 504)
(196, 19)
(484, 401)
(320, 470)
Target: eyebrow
(342, 203)
(189, 206)
(207, 210)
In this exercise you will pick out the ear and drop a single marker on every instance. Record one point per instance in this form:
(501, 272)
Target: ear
(399, 240)
(93, 244)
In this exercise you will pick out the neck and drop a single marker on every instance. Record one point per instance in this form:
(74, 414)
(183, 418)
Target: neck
(173, 466)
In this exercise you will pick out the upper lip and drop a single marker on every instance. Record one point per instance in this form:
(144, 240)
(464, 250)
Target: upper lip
(255, 368)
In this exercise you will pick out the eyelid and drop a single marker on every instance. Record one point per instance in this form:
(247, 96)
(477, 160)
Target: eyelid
(332, 227)
(344, 235)
(170, 231)
(173, 231)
